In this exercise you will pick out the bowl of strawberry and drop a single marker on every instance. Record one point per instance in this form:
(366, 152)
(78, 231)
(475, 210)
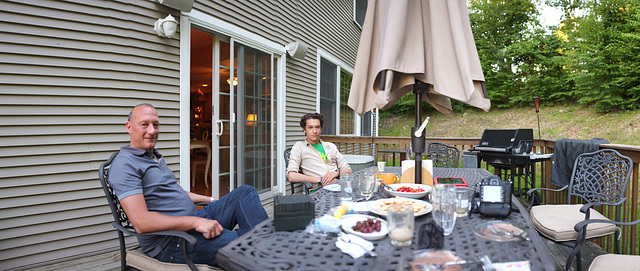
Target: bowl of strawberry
(408, 190)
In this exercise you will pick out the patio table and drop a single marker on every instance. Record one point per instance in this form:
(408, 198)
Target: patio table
(263, 248)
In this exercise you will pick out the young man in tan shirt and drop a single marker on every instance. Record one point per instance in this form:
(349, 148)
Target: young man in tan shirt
(319, 161)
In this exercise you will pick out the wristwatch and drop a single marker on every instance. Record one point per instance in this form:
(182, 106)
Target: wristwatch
(320, 180)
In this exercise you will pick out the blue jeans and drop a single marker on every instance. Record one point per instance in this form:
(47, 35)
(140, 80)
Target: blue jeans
(241, 207)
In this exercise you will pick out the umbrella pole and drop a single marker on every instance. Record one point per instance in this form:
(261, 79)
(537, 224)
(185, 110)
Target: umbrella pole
(417, 143)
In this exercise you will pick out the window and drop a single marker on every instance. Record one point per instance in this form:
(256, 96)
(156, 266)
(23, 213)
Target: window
(339, 118)
(359, 11)
(328, 97)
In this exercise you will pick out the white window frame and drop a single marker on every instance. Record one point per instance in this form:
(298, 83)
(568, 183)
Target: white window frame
(355, 10)
(341, 66)
(250, 39)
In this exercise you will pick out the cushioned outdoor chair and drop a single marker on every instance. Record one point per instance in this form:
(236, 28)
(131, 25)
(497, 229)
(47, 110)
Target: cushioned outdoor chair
(305, 185)
(605, 262)
(443, 155)
(135, 257)
(599, 178)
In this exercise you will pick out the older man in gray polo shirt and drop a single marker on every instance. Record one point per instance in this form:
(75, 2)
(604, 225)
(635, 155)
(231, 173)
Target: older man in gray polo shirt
(152, 199)
(320, 161)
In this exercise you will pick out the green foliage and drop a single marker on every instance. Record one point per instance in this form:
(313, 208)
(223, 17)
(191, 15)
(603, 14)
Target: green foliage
(605, 57)
(592, 58)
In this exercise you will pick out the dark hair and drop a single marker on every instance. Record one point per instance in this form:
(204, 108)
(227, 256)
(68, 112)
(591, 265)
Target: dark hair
(318, 116)
(142, 104)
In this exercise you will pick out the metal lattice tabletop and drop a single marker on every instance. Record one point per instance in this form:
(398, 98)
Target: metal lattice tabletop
(265, 249)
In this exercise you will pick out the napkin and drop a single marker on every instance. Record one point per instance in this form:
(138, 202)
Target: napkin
(356, 247)
(513, 266)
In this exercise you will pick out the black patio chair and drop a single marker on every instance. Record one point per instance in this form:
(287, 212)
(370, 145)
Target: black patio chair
(605, 262)
(443, 155)
(305, 185)
(135, 257)
(599, 178)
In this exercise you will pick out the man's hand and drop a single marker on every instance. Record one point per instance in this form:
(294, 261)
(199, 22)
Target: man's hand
(330, 177)
(208, 228)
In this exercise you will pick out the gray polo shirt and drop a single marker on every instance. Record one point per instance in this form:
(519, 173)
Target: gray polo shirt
(132, 173)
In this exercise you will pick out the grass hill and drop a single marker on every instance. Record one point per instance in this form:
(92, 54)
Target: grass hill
(570, 121)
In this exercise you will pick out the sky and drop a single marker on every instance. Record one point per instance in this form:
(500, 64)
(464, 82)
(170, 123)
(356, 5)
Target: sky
(549, 16)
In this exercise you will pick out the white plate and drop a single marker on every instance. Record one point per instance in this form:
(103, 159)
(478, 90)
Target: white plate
(415, 195)
(372, 207)
(332, 187)
(349, 221)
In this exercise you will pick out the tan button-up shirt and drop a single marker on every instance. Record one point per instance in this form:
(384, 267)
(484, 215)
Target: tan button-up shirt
(304, 156)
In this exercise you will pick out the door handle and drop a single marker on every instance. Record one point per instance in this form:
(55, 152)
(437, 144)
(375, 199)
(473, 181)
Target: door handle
(220, 127)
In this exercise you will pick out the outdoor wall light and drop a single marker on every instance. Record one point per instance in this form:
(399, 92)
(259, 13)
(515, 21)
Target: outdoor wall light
(166, 27)
(297, 49)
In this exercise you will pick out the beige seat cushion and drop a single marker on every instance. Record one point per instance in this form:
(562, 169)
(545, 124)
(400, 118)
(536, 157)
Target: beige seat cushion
(557, 221)
(140, 260)
(616, 262)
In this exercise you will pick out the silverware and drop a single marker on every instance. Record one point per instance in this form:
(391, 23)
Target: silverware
(388, 187)
(487, 265)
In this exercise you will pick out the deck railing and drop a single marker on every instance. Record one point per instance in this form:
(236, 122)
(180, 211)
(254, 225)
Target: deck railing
(629, 239)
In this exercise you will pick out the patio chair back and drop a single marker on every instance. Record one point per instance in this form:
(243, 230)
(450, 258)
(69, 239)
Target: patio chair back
(443, 155)
(601, 177)
(305, 185)
(121, 222)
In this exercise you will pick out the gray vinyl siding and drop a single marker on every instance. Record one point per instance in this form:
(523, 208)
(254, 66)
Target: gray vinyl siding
(69, 73)
(327, 25)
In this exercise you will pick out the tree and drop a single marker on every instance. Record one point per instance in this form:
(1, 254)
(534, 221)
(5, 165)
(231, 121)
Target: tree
(503, 31)
(604, 58)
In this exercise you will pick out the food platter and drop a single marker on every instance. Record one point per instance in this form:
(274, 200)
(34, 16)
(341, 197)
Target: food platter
(379, 207)
(428, 259)
(500, 231)
(414, 195)
(348, 221)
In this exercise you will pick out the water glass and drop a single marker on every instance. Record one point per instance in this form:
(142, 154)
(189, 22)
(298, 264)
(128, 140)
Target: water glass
(444, 207)
(346, 192)
(367, 185)
(464, 197)
(400, 219)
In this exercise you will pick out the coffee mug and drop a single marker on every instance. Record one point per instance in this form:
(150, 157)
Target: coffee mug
(388, 178)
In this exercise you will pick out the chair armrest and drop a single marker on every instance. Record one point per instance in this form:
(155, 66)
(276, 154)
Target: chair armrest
(581, 227)
(532, 198)
(189, 238)
(546, 189)
(587, 206)
(307, 186)
(186, 239)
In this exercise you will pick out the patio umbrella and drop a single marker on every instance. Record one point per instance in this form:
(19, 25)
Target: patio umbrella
(422, 46)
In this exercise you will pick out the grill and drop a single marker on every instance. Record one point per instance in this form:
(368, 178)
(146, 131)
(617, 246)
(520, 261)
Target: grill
(498, 146)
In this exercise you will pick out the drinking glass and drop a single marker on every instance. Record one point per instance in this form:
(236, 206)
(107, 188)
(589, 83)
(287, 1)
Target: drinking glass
(367, 185)
(346, 192)
(381, 166)
(444, 207)
(400, 220)
(463, 201)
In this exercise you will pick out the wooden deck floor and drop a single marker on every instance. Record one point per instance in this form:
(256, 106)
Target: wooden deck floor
(110, 261)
